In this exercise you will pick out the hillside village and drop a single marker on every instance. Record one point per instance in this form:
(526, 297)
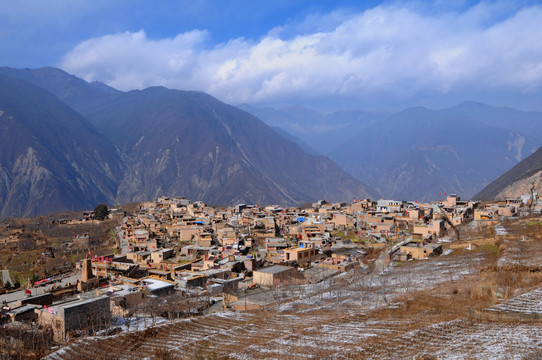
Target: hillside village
(175, 258)
(241, 180)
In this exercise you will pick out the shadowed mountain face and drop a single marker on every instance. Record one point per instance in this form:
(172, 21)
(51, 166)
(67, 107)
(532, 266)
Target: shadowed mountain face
(191, 144)
(519, 180)
(51, 158)
(419, 153)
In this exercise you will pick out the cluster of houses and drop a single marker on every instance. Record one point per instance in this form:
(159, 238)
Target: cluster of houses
(238, 256)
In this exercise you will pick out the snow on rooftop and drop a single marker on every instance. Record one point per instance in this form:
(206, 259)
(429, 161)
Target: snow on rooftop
(155, 284)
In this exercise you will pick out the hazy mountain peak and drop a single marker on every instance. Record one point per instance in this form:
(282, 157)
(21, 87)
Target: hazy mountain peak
(418, 152)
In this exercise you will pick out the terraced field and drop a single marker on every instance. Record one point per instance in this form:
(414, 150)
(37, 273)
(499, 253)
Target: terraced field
(290, 337)
(328, 319)
(521, 253)
(417, 309)
(528, 303)
(459, 339)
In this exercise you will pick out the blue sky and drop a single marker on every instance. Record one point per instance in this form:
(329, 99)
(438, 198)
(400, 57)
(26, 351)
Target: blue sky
(38, 33)
(324, 54)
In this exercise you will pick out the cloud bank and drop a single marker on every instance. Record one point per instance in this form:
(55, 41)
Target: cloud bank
(391, 54)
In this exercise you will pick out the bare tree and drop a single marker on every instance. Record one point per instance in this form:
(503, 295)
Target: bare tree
(278, 293)
(383, 282)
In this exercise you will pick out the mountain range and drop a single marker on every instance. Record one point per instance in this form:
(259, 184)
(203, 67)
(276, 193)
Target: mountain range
(75, 92)
(420, 153)
(417, 153)
(186, 142)
(70, 144)
(133, 146)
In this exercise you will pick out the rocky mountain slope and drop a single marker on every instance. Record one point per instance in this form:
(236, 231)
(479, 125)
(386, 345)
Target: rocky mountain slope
(517, 181)
(51, 158)
(419, 153)
(189, 143)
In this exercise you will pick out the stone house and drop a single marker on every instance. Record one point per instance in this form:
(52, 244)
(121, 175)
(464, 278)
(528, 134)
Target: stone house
(88, 315)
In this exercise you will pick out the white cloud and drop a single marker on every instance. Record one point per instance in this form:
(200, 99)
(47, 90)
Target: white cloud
(399, 52)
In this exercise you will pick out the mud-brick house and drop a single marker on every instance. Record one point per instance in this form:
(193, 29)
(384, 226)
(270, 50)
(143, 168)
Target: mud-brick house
(311, 228)
(435, 228)
(301, 255)
(343, 221)
(89, 315)
(203, 239)
(141, 235)
(187, 233)
(274, 275)
(81, 241)
(275, 244)
(159, 256)
(417, 250)
(485, 214)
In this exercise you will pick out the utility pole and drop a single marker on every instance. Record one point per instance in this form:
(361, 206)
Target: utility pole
(532, 199)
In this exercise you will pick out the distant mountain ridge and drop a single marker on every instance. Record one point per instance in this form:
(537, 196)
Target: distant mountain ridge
(524, 122)
(306, 148)
(141, 144)
(419, 153)
(74, 91)
(323, 133)
(449, 164)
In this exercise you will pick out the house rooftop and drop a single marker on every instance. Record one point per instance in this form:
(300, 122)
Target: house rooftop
(275, 269)
(155, 284)
(87, 298)
(299, 249)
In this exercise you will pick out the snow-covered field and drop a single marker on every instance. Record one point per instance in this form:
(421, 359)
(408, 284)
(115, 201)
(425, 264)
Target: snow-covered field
(291, 337)
(460, 339)
(528, 303)
(523, 252)
(328, 321)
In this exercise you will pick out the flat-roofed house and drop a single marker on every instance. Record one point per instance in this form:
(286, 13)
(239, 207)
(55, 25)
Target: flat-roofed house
(89, 314)
(418, 251)
(301, 255)
(273, 275)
